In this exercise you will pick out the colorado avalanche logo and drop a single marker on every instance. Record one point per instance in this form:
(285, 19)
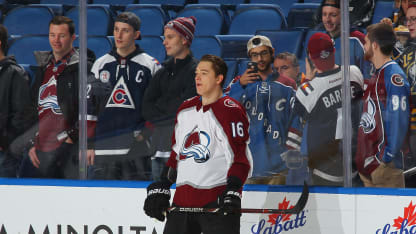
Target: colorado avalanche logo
(368, 122)
(120, 97)
(324, 54)
(195, 146)
(230, 103)
(397, 80)
(48, 98)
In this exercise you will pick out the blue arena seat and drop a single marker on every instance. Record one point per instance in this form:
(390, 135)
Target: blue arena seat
(22, 48)
(284, 4)
(301, 15)
(285, 41)
(206, 45)
(112, 2)
(29, 19)
(152, 16)
(231, 72)
(153, 45)
(172, 2)
(100, 45)
(312, 1)
(65, 2)
(382, 9)
(210, 18)
(242, 66)
(57, 9)
(99, 19)
(308, 35)
(249, 18)
(234, 46)
(230, 2)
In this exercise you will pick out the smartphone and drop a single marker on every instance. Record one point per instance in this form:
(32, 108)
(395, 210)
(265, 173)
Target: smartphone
(253, 66)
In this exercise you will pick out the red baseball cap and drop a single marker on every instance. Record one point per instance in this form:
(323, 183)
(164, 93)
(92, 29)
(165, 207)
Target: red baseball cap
(322, 51)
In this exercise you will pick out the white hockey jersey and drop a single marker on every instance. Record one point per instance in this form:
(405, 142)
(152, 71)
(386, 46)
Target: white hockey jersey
(209, 144)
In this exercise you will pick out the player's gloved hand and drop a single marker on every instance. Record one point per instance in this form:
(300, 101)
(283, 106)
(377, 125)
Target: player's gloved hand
(157, 201)
(230, 200)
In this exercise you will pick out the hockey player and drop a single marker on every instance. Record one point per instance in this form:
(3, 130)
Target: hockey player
(385, 119)
(319, 104)
(267, 102)
(210, 156)
(128, 69)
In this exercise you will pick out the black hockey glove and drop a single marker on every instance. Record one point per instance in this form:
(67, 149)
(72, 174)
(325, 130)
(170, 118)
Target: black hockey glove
(157, 201)
(230, 200)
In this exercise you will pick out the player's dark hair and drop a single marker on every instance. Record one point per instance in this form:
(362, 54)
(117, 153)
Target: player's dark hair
(58, 20)
(3, 39)
(383, 35)
(220, 67)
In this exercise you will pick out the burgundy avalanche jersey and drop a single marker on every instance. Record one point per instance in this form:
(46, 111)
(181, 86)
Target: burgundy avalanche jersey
(385, 119)
(51, 119)
(209, 144)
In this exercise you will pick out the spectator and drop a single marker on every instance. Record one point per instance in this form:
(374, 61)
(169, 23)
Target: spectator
(329, 17)
(385, 119)
(287, 64)
(398, 20)
(330, 14)
(15, 100)
(261, 52)
(119, 123)
(170, 86)
(318, 102)
(210, 158)
(407, 63)
(267, 102)
(54, 153)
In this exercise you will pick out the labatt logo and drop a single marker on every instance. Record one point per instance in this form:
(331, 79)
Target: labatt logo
(279, 223)
(402, 225)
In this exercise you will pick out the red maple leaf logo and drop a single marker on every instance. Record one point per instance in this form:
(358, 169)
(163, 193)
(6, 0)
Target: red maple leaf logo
(285, 217)
(409, 214)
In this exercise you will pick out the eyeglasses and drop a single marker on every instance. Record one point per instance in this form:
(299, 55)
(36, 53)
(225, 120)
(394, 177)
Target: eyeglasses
(263, 53)
(410, 20)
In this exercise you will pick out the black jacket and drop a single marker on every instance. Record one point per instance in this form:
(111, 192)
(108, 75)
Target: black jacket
(14, 101)
(169, 87)
(67, 87)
